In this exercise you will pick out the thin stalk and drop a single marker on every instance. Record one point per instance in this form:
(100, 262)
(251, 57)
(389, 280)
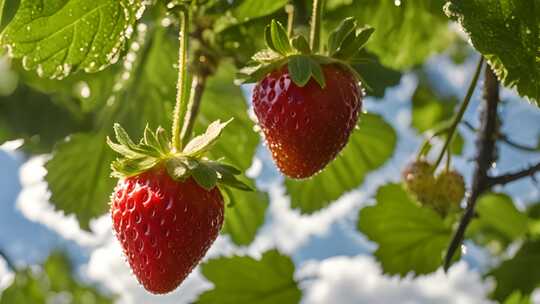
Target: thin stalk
(315, 37)
(183, 85)
(198, 84)
(459, 115)
(289, 9)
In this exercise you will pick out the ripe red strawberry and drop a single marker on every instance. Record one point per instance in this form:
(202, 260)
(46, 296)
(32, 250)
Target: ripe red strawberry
(306, 127)
(165, 227)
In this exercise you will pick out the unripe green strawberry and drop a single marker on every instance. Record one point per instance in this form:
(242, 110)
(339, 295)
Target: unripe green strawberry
(450, 190)
(419, 180)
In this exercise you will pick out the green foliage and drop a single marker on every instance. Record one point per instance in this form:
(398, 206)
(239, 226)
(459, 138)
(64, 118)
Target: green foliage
(265, 281)
(46, 284)
(499, 223)
(37, 119)
(56, 37)
(410, 238)
(507, 33)
(431, 112)
(518, 273)
(247, 214)
(368, 149)
(517, 298)
(405, 35)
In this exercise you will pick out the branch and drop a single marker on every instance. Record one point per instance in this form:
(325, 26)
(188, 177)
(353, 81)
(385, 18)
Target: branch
(516, 145)
(484, 158)
(9, 262)
(512, 177)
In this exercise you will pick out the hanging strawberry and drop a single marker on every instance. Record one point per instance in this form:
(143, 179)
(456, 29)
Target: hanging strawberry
(167, 208)
(307, 102)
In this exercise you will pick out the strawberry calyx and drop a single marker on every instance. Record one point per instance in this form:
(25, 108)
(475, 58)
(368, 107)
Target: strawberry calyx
(343, 48)
(155, 150)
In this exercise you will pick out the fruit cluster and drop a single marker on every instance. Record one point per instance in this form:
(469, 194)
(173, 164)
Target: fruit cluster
(443, 192)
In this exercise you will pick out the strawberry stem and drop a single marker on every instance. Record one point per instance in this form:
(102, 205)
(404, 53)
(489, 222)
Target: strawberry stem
(459, 114)
(289, 9)
(314, 41)
(198, 83)
(183, 86)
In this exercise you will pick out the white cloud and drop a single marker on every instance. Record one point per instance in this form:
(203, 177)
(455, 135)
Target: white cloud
(359, 280)
(6, 276)
(33, 202)
(107, 266)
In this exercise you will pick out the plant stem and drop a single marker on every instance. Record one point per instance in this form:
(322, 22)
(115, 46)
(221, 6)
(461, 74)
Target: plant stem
(511, 177)
(484, 159)
(289, 9)
(183, 85)
(314, 39)
(198, 85)
(459, 115)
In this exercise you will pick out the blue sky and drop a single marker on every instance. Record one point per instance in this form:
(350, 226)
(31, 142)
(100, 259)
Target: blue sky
(325, 245)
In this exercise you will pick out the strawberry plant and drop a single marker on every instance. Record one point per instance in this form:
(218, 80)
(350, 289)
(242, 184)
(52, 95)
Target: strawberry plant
(251, 144)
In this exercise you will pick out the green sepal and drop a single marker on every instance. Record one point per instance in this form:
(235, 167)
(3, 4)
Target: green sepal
(335, 41)
(154, 150)
(205, 176)
(301, 44)
(279, 39)
(202, 143)
(353, 43)
(302, 68)
(343, 48)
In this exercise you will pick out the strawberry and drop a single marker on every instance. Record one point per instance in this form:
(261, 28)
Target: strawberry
(306, 127)
(165, 227)
(307, 102)
(167, 209)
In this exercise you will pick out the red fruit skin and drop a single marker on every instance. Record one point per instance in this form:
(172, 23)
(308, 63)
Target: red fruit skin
(165, 227)
(306, 127)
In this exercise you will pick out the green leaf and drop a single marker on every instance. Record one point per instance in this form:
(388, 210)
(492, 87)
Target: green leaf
(348, 26)
(517, 298)
(300, 69)
(57, 37)
(429, 110)
(222, 100)
(37, 119)
(280, 40)
(247, 11)
(406, 35)
(368, 149)
(251, 9)
(246, 216)
(376, 76)
(43, 286)
(410, 238)
(265, 281)
(2, 2)
(202, 143)
(518, 273)
(507, 33)
(78, 174)
(498, 223)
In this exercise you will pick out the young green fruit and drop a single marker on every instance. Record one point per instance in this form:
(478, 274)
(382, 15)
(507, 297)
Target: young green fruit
(419, 181)
(450, 190)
